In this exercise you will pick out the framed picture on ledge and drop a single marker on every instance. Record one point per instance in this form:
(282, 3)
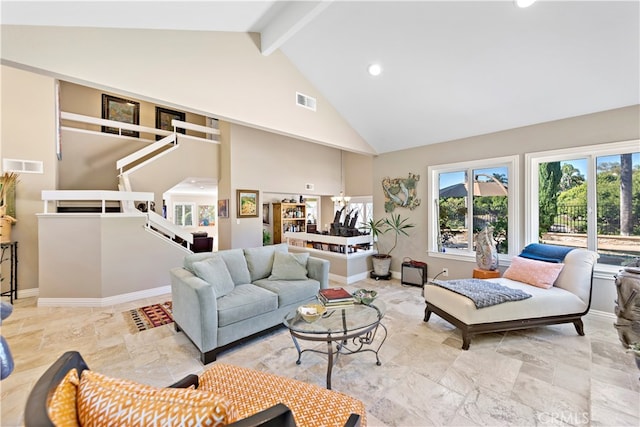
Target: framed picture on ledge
(247, 203)
(164, 117)
(120, 110)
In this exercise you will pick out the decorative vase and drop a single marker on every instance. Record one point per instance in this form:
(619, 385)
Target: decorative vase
(486, 252)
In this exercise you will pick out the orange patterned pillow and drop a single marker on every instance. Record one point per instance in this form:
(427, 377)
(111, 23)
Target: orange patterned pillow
(62, 403)
(537, 273)
(104, 401)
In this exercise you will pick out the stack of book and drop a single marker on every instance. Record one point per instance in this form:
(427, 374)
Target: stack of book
(336, 297)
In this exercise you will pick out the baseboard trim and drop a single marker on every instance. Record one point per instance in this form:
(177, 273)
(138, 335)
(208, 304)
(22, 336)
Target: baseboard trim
(603, 314)
(103, 302)
(28, 293)
(348, 280)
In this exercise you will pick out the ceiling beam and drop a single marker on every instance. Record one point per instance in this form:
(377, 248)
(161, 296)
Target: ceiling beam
(288, 21)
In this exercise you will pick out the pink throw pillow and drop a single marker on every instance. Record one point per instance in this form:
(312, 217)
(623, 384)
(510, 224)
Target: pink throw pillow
(537, 273)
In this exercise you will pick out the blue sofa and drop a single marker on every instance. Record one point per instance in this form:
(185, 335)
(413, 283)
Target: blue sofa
(220, 298)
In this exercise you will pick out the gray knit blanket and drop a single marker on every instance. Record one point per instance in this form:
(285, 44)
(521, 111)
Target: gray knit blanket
(483, 293)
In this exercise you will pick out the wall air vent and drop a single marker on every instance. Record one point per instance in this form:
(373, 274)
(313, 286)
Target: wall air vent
(22, 166)
(305, 101)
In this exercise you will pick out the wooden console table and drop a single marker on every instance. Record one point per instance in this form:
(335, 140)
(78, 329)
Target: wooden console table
(485, 274)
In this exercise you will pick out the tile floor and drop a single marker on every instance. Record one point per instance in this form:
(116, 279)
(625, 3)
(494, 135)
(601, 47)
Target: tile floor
(541, 376)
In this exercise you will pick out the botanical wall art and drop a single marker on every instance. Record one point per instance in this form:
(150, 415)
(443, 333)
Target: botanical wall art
(400, 192)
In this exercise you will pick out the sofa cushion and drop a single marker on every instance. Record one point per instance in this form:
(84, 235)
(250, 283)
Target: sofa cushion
(253, 391)
(291, 292)
(105, 401)
(260, 259)
(214, 271)
(237, 265)
(61, 407)
(289, 266)
(245, 302)
(537, 273)
(191, 258)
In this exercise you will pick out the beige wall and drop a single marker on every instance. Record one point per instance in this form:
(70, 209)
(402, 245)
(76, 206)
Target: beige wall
(274, 163)
(28, 133)
(96, 256)
(609, 126)
(217, 74)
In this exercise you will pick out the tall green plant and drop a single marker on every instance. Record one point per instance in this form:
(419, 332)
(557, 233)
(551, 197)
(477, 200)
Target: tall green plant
(549, 176)
(394, 223)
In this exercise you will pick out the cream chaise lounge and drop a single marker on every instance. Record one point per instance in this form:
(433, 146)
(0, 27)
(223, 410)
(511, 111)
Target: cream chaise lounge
(566, 300)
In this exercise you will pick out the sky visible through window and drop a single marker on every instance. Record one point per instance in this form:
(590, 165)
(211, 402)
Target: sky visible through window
(451, 178)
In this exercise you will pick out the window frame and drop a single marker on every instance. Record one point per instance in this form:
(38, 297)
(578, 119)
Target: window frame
(512, 164)
(590, 153)
(193, 213)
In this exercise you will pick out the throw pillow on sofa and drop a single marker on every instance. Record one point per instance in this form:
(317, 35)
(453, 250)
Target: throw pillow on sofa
(289, 266)
(214, 271)
(105, 401)
(260, 259)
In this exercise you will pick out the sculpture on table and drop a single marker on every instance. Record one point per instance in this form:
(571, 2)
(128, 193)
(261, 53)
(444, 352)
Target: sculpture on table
(347, 227)
(486, 252)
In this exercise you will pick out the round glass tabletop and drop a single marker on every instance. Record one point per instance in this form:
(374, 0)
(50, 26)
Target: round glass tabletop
(338, 319)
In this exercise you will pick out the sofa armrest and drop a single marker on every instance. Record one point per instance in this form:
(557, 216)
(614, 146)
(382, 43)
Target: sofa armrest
(188, 381)
(318, 269)
(35, 413)
(195, 308)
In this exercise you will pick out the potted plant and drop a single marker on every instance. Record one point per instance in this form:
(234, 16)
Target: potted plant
(7, 181)
(395, 224)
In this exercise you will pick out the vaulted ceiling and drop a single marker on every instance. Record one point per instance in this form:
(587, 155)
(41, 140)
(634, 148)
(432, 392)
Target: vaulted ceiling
(451, 69)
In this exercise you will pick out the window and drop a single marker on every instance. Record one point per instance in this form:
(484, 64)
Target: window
(363, 208)
(587, 200)
(183, 214)
(466, 198)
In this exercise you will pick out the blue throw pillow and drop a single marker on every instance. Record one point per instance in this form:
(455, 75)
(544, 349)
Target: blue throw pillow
(543, 252)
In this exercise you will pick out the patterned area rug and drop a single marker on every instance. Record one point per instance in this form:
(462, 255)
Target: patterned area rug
(150, 316)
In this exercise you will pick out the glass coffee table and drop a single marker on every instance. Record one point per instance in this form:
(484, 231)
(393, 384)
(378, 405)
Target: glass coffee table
(352, 328)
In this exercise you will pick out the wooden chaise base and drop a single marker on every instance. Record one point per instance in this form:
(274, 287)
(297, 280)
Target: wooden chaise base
(468, 331)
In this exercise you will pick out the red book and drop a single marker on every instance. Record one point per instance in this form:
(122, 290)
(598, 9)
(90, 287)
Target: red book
(335, 294)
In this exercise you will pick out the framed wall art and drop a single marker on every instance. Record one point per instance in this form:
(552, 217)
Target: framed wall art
(265, 213)
(164, 117)
(223, 208)
(206, 215)
(247, 203)
(120, 110)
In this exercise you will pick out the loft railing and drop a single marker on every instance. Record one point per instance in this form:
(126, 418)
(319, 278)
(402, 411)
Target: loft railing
(154, 221)
(109, 123)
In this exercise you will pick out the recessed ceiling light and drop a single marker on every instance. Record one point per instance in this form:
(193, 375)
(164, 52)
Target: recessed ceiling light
(375, 69)
(525, 3)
